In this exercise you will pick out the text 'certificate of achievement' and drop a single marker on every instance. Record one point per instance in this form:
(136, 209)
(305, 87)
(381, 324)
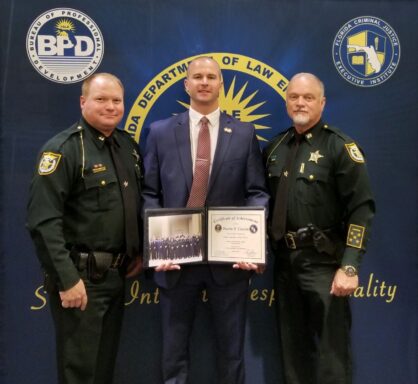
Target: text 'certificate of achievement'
(236, 234)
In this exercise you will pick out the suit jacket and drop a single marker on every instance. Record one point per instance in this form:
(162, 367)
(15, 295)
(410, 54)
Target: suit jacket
(237, 177)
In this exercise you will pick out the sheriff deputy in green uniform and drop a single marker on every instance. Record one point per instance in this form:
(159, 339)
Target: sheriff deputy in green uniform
(322, 208)
(83, 219)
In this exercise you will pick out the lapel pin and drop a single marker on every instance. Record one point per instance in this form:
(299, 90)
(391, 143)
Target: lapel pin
(227, 130)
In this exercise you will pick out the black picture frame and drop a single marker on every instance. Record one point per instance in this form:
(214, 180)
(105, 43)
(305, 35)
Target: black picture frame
(210, 235)
(174, 235)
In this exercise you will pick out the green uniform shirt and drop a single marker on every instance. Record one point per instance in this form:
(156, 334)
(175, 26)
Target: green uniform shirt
(75, 199)
(328, 187)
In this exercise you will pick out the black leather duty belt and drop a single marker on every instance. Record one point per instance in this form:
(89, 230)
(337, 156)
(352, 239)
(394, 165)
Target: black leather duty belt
(323, 240)
(111, 260)
(292, 241)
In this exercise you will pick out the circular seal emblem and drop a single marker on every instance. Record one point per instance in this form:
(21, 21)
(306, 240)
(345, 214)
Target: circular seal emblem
(64, 45)
(253, 228)
(366, 51)
(250, 92)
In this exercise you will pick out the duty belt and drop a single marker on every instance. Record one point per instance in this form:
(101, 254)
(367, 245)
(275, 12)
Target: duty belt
(292, 241)
(112, 260)
(311, 236)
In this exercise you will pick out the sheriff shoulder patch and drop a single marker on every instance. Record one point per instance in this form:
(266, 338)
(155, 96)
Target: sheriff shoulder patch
(48, 163)
(355, 236)
(354, 153)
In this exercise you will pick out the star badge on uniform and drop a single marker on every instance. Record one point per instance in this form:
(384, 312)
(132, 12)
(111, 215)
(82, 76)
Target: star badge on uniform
(315, 156)
(355, 235)
(48, 163)
(125, 184)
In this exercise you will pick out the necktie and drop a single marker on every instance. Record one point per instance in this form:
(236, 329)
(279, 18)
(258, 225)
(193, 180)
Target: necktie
(128, 198)
(199, 189)
(278, 225)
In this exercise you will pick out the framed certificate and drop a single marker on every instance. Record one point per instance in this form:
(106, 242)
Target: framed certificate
(211, 235)
(236, 234)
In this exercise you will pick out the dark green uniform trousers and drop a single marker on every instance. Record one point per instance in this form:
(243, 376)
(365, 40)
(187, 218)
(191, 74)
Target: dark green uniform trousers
(87, 341)
(314, 325)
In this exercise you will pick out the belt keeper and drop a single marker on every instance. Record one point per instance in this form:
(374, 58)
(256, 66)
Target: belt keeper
(289, 239)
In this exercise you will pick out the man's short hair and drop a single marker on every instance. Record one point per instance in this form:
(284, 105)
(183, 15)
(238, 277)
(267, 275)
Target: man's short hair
(85, 87)
(311, 75)
(205, 58)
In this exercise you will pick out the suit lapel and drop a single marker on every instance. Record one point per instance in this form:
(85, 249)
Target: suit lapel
(182, 134)
(226, 130)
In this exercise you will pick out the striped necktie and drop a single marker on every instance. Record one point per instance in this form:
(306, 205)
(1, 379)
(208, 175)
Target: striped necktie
(199, 189)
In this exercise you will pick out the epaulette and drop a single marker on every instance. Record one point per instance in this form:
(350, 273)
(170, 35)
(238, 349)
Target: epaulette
(338, 132)
(62, 137)
(355, 152)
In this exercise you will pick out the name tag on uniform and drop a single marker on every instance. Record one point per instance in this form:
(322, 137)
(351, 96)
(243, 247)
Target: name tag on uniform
(98, 168)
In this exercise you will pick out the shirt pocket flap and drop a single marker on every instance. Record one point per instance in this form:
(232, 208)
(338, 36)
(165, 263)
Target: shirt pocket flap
(314, 174)
(99, 180)
(275, 167)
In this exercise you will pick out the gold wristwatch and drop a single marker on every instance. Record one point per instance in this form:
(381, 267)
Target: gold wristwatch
(349, 270)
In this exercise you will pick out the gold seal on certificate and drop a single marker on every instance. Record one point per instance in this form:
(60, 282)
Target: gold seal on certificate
(211, 235)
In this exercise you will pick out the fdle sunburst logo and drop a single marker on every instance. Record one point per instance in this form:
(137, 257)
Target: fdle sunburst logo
(64, 45)
(253, 92)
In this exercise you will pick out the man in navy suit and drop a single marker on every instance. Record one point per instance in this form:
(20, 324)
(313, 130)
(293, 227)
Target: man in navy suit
(236, 179)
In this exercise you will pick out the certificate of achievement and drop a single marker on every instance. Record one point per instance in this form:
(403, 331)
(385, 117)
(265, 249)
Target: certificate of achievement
(211, 235)
(236, 235)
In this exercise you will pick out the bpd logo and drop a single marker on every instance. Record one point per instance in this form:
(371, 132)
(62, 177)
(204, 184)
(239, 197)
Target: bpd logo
(366, 51)
(64, 45)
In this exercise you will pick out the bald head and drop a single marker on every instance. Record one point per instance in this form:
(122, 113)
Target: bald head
(312, 78)
(202, 59)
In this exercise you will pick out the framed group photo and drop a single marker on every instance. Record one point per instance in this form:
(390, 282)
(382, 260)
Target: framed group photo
(209, 235)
